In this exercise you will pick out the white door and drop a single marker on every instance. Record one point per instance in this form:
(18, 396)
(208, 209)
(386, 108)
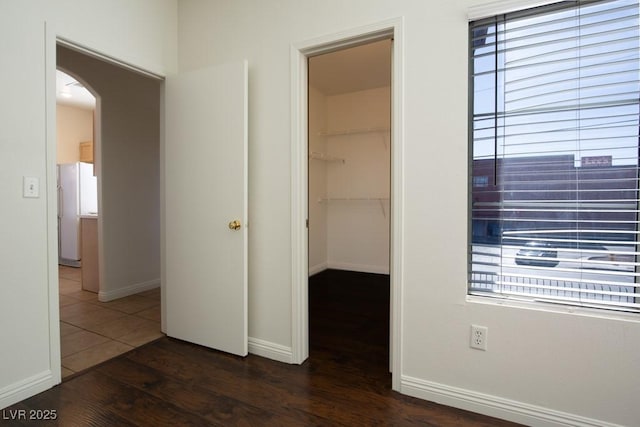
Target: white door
(205, 192)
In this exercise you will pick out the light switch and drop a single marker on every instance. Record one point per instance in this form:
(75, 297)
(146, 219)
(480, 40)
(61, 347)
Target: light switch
(31, 187)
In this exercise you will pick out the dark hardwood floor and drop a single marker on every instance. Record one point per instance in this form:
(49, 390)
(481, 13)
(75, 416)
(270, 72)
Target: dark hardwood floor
(345, 381)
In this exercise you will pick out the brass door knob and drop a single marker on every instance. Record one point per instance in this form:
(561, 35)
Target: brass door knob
(234, 225)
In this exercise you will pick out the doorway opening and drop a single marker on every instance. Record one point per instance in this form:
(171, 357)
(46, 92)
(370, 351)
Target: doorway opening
(349, 210)
(300, 53)
(109, 288)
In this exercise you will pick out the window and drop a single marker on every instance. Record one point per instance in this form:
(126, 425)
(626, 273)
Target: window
(554, 131)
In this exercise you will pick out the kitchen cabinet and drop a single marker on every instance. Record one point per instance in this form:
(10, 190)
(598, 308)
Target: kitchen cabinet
(89, 241)
(86, 151)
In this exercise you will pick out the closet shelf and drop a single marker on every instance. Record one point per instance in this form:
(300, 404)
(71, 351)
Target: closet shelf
(380, 200)
(325, 157)
(353, 131)
(384, 132)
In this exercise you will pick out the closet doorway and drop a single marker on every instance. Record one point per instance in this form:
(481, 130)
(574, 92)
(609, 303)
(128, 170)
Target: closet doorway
(349, 209)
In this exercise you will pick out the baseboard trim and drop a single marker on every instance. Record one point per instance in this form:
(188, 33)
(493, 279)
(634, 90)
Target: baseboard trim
(317, 268)
(494, 406)
(270, 350)
(104, 296)
(24, 389)
(363, 268)
(69, 262)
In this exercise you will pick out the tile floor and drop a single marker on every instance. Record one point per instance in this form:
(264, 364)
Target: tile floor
(92, 332)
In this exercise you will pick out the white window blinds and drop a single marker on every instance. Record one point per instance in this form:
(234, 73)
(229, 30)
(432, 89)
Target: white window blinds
(554, 131)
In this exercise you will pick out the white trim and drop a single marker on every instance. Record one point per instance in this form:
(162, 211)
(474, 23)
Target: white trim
(504, 6)
(397, 205)
(318, 268)
(104, 296)
(362, 268)
(107, 58)
(299, 214)
(270, 350)
(555, 308)
(299, 175)
(344, 40)
(52, 207)
(163, 216)
(14, 393)
(495, 406)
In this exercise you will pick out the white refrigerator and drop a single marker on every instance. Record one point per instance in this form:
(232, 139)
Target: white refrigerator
(77, 195)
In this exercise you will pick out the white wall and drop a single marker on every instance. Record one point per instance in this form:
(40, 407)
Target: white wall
(129, 173)
(142, 32)
(541, 364)
(358, 230)
(73, 125)
(349, 234)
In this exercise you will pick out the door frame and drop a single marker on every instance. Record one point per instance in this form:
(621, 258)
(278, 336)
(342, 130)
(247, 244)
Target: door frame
(299, 53)
(52, 39)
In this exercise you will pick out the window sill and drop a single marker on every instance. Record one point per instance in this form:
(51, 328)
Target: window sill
(555, 308)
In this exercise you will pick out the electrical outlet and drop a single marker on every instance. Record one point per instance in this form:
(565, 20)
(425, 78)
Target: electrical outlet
(479, 337)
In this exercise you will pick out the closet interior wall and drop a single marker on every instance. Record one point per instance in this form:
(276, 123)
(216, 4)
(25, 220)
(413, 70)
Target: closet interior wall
(349, 180)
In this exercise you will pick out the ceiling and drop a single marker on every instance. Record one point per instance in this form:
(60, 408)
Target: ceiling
(349, 70)
(72, 93)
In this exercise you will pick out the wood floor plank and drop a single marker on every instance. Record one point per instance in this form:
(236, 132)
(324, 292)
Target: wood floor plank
(133, 405)
(76, 406)
(216, 408)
